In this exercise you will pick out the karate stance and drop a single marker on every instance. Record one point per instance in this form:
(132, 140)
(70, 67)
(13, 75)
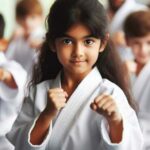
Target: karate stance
(71, 105)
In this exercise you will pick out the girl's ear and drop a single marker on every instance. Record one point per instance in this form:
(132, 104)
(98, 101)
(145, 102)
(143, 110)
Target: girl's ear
(104, 43)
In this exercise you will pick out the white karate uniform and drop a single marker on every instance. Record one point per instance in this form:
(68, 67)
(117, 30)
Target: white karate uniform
(77, 126)
(141, 92)
(10, 99)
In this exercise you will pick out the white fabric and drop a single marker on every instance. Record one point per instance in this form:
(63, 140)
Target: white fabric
(125, 53)
(20, 50)
(120, 16)
(141, 91)
(10, 99)
(2, 58)
(77, 127)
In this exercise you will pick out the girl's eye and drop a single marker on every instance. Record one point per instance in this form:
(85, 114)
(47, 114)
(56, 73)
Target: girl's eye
(89, 42)
(67, 41)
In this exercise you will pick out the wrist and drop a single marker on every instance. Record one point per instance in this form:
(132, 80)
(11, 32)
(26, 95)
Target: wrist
(48, 114)
(115, 121)
(115, 124)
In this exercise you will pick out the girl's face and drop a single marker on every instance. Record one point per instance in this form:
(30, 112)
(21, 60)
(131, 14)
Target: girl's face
(141, 48)
(78, 50)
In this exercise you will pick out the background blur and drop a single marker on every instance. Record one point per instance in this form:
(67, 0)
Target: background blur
(7, 8)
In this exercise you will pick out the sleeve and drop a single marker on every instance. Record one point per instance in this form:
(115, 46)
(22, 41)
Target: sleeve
(19, 75)
(132, 137)
(19, 136)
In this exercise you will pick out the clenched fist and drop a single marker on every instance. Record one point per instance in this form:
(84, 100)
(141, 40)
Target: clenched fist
(106, 106)
(57, 98)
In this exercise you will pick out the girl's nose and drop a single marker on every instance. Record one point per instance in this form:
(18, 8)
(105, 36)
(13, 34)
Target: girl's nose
(78, 50)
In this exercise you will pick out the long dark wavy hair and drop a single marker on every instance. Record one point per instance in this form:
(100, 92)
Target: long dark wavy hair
(63, 14)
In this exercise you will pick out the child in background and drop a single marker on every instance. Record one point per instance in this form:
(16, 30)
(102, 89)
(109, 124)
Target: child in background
(118, 10)
(12, 81)
(74, 106)
(137, 31)
(26, 42)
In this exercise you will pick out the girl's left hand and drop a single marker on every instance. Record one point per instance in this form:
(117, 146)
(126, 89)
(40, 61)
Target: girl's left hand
(106, 106)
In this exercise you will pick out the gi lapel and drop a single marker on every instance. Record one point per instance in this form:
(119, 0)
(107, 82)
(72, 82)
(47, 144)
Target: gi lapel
(83, 93)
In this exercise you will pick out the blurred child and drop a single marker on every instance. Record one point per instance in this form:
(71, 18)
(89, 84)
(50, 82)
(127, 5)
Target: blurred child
(12, 81)
(118, 10)
(28, 38)
(137, 31)
(75, 108)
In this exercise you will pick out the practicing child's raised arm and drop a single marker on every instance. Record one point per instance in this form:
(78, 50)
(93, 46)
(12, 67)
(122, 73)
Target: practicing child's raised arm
(105, 105)
(56, 101)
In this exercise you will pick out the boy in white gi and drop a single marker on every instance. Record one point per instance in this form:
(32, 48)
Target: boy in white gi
(26, 42)
(137, 31)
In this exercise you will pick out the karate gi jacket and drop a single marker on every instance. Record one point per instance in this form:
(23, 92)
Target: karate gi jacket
(77, 126)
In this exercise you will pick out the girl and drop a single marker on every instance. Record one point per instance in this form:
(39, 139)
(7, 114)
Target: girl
(74, 108)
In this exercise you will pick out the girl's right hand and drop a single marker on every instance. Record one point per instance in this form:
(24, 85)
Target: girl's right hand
(57, 98)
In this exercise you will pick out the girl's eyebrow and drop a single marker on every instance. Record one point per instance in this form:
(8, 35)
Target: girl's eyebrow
(84, 37)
